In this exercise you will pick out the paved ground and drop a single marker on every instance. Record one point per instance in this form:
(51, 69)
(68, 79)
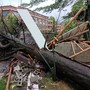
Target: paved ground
(4, 66)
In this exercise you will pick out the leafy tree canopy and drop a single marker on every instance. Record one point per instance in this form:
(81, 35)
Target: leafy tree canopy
(78, 5)
(58, 4)
(71, 26)
(54, 23)
(12, 22)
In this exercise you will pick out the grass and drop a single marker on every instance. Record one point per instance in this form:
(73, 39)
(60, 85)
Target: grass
(15, 88)
(3, 83)
(46, 82)
(49, 84)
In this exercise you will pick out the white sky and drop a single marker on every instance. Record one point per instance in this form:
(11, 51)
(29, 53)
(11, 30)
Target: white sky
(48, 2)
(13, 2)
(18, 2)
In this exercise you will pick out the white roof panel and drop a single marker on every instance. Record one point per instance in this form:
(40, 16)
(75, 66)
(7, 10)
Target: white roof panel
(32, 27)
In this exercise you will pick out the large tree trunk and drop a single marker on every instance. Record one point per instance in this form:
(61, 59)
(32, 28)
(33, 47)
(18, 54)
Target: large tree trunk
(71, 69)
(75, 71)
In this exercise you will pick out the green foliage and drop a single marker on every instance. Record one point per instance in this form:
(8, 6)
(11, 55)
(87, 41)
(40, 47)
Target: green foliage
(71, 26)
(49, 84)
(54, 23)
(88, 2)
(46, 81)
(32, 2)
(78, 5)
(2, 84)
(12, 23)
(66, 17)
(53, 19)
(51, 36)
(1, 26)
(49, 8)
(57, 5)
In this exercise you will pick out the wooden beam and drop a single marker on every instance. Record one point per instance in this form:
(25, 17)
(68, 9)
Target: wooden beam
(73, 48)
(9, 78)
(79, 52)
(85, 44)
(78, 45)
(74, 36)
(79, 29)
(10, 72)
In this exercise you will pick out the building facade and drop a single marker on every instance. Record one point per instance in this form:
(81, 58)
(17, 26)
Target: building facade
(59, 27)
(42, 21)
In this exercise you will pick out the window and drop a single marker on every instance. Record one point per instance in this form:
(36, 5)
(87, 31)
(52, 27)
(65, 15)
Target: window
(5, 13)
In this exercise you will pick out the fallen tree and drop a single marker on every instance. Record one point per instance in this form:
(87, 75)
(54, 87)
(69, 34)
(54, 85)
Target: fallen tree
(75, 71)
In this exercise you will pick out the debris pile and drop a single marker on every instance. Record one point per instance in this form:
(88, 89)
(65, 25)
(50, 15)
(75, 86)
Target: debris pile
(26, 61)
(24, 70)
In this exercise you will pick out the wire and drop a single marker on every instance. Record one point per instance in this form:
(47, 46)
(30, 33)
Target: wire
(61, 8)
(45, 61)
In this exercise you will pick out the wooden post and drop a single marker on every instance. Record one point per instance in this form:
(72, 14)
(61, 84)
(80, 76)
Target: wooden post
(9, 78)
(10, 72)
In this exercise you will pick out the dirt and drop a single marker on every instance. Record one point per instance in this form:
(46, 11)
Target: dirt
(48, 84)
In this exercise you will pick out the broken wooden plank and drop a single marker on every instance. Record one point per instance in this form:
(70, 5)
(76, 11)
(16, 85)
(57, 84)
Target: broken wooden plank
(10, 72)
(74, 32)
(73, 36)
(9, 78)
(22, 58)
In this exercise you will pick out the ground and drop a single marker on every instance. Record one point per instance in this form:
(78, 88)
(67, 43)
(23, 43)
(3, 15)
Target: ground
(46, 84)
